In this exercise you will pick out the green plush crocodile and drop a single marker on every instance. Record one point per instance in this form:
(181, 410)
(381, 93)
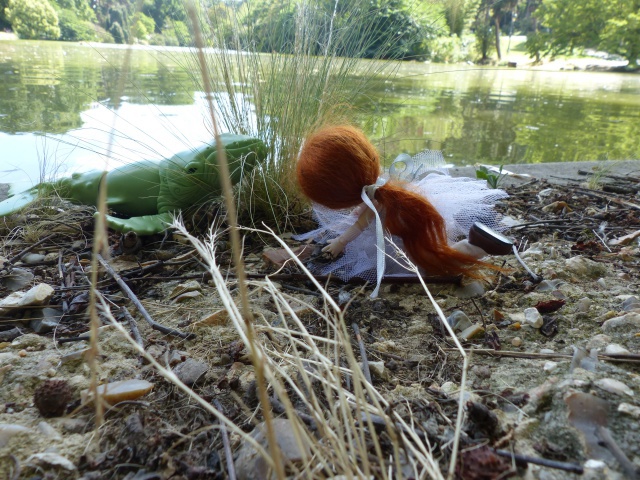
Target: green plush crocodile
(150, 192)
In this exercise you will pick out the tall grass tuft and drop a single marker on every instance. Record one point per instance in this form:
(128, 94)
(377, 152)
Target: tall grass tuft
(280, 98)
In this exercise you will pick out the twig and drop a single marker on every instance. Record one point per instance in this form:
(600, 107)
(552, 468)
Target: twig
(133, 325)
(625, 178)
(73, 339)
(228, 455)
(610, 357)
(363, 353)
(143, 311)
(18, 470)
(17, 257)
(566, 466)
(611, 198)
(604, 434)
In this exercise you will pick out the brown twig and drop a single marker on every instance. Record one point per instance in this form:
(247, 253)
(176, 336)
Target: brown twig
(143, 311)
(133, 325)
(611, 198)
(566, 466)
(228, 455)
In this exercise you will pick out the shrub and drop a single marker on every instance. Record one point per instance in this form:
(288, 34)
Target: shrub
(73, 29)
(33, 19)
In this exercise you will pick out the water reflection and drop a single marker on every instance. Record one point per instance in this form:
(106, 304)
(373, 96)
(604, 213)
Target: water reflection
(66, 92)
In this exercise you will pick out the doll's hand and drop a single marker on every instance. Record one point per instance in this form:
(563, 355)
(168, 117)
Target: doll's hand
(335, 247)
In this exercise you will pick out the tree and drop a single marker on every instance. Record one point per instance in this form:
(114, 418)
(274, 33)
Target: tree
(483, 30)
(33, 19)
(621, 33)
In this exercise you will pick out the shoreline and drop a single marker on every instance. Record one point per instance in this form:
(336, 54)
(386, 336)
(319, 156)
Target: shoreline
(559, 173)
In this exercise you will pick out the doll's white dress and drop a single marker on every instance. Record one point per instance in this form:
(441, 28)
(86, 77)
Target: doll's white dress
(461, 201)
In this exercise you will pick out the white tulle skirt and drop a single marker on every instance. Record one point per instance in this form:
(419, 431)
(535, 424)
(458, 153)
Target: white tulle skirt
(461, 202)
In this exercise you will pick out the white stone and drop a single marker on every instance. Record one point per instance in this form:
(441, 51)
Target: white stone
(550, 366)
(533, 318)
(38, 295)
(615, 349)
(629, 410)
(52, 459)
(614, 386)
(583, 267)
(629, 321)
(8, 430)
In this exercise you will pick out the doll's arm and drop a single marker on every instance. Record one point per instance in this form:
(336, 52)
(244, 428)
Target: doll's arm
(336, 245)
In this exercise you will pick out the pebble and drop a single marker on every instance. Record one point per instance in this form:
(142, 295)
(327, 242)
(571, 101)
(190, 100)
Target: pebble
(471, 332)
(629, 409)
(615, 349)
(459, 321)
(36, 296)
(190, 371)
(533, 253)
(190, 286)
(625, 323)
(630, 303)
(249, 463)
(9, 430)
(470, 290)
(602, 283)
(583, 267)
(51, 459)
(550, 366)
(546, 351)
(120, 391)
(32, 258)
(549, 285)
(18, 279)
(598, 341)
(186, 296)
(532, 317)
(45, 320)
(48, 431)
(583, 305)
(377, 370)
(516, 341)
(614, 386)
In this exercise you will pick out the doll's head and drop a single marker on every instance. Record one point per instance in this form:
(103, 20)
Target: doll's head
(334, 164)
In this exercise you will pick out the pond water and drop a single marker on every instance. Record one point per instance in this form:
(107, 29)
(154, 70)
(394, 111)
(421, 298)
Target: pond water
(56, 115)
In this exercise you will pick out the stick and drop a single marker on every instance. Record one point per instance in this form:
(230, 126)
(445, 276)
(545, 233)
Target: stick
(228, 455)
(143, 311)
(566, 466)
(610, 357)
(133, 325)
(363, 353)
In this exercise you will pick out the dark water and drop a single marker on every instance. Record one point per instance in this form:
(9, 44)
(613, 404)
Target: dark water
(56, 114)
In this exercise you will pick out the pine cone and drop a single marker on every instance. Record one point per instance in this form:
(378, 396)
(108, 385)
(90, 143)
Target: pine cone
(52, 397)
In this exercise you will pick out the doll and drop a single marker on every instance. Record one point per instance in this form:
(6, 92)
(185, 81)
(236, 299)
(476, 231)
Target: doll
(339, 170)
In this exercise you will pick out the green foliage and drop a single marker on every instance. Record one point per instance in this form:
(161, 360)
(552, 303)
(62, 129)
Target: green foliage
(493, 178)
(33, 19)
(621, 33)
(143, 26)
(73, 29)
(448, 50)
(117, 33)
(483, 30)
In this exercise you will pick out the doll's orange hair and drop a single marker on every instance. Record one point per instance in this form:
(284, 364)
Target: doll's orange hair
(337, 161)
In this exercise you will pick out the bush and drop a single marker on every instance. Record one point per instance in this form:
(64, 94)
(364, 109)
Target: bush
(118, 34)
(448, 50)
(73, 29)
(33, 19)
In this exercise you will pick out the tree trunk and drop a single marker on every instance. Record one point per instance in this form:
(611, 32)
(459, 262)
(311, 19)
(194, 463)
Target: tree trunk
(497, 20)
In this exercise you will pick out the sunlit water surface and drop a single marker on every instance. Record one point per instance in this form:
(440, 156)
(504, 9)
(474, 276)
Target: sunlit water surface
(57, 99)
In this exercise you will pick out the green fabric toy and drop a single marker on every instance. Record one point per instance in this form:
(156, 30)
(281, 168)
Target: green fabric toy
(150, 192)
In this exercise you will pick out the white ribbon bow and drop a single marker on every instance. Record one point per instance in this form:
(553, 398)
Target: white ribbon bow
(367, 194)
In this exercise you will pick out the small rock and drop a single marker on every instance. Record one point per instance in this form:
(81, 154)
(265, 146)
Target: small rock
(516, 341)
(550, 366)
(598, 341)
(78, 245)
(625, 323)
(36, 296)
(18, 279)
(629, 409)
(377, 370)
(46, 319)
(278, 257)
(533, 318)
(32, 258)
(74, 425)
(614, 386)
(459, 321)
(48, 432)
(52, 460)
(9, 430)
(630, 303)
(471, 332)
(546, 351)
(549, 285)
(533, 253)
(583, 305)
(190, 286)
(190, 371)
(249, 463)
(602, 283)
(116, 392)
(470, 290)
(583, 267)
(615, 349)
